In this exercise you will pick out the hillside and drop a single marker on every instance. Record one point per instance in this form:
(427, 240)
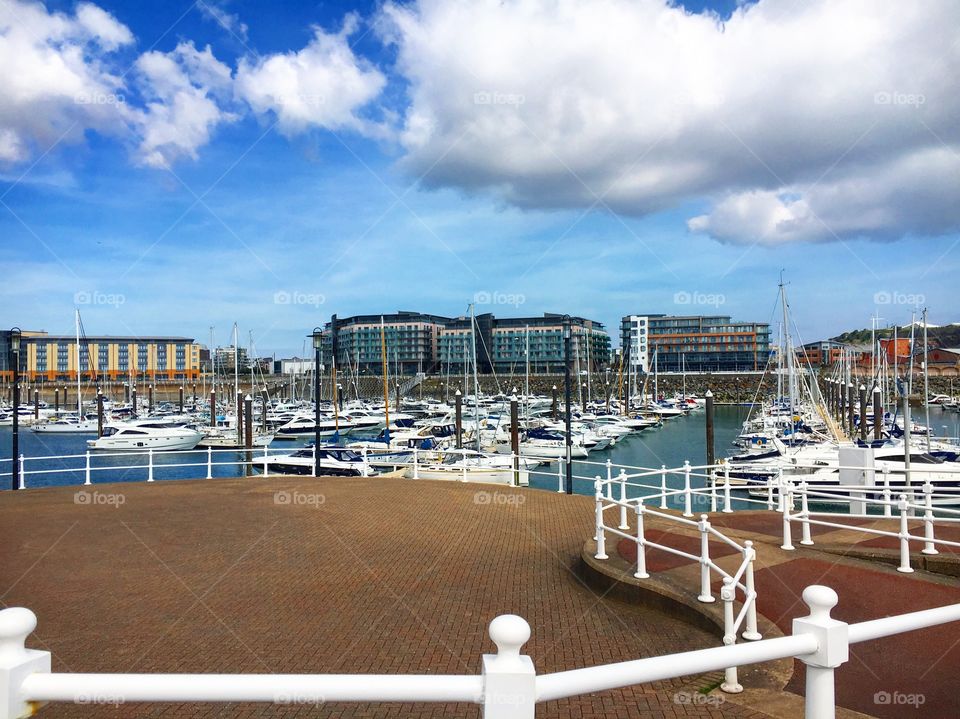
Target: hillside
(939, 336)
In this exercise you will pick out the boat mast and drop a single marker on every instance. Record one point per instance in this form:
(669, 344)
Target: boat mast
(236, 368)
(526, 381)
(476, 380)
(79, 401)
(386, 390)
(926, 380)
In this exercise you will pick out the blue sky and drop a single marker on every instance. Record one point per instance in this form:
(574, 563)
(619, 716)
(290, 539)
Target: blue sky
(582, 194)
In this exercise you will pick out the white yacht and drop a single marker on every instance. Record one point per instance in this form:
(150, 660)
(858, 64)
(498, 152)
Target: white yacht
(125, 437)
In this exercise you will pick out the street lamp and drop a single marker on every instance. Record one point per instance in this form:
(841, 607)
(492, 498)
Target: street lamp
(15, 336)
(566, 391)
(317, 341)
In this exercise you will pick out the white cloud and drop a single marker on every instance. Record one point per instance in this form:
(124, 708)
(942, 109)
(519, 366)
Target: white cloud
(323, 85)
(57, 77)
(228, 21)
(801, 121)
(183, 88)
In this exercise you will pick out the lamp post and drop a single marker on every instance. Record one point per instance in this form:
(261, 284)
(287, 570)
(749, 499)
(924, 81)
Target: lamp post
(566, 392)
(15, 336)
(317, 341)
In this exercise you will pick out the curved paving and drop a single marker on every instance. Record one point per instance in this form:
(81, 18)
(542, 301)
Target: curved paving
(329, 575)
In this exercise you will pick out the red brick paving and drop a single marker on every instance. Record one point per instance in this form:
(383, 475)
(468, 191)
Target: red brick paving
(387, 576)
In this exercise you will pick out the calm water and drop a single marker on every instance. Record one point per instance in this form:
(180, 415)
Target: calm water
(677, 440)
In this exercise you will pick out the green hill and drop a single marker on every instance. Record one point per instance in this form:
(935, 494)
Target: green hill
(943, 336)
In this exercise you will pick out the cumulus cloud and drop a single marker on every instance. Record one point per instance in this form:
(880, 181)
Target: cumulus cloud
(58, 77)
(187, 91)
(322, 85)
(228, 21)
(798, 121)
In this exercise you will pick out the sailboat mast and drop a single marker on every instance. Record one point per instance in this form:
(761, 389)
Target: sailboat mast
(79, 401)
(476, 380)
(386, 391)
(236, 368)
(926, 380)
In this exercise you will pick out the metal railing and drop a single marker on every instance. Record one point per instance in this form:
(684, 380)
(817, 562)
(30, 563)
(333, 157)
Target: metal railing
(507, 686)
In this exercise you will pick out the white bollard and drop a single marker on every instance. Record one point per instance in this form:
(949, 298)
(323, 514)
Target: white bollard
(600, 535)
(509, 677)
(687, 504)
(416, 463)
(22, 482)
(86, 479)
(641, 572)
(833, 649)
(623, 500)
(560, 475)
(663, 486)
(366, 466)
(209, 463)
(750, 633)
(929, 546)
(904, 536)
(731, 684)
(17, 662)
(727, 507)
(706, 596)
(266, 466)
(149, 465)
(805, 538)
(786, 501)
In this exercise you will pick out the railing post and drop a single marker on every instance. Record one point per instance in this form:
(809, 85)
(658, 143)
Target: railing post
(209, 462)
(365, 470)
(86, 470)
(833, 649)
(609, 482)
(770, 493)
(641, 572)
(780, 494)
(22, 481)
(624, 524)
(149, 465)
(687, 505)
(601, 535)
(416, 463)
(559, 475)
(731, 684)
(509, 677)
(663, 486)
(929, 546)
(786, 500)
(904, 508)
(16, 661)
(805, 538)
(750, 633)
(712, 474)
(727, 507)
(888, 501)
(706, 596)
(266, 456)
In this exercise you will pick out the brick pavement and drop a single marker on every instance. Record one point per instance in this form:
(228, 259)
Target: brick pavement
(349, 575)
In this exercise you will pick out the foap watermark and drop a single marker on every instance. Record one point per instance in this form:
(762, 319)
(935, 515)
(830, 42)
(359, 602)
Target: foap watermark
(499, 498)
(699, 298)
(99, 98)
(487, 97)
(291, 699)
(911, 299)
(95, 297)
(113, 700)
(99, 499)
(899, 699)
(511, 299)
(284, 297)
(299, 499)
(907, 99)
(698, 699)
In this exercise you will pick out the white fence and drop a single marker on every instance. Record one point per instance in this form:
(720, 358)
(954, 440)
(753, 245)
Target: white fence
(507, 686)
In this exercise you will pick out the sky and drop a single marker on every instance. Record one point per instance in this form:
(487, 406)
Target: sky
(169, 168)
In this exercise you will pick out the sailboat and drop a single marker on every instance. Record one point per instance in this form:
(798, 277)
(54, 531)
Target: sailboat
(72, 424)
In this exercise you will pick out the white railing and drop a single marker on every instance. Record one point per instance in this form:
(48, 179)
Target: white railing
(507, 686)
